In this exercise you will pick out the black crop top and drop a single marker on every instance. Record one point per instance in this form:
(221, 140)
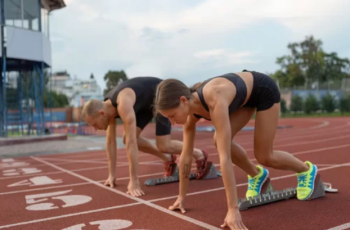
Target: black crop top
(237, 101)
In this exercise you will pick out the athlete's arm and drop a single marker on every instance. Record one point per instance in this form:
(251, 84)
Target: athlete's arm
(185, 162)
(126, 111)
(218, 107)
(111, 147)
(189, 133)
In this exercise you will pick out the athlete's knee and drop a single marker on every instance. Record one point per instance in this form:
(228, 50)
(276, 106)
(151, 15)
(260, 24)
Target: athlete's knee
(164, 147)
(265, 158)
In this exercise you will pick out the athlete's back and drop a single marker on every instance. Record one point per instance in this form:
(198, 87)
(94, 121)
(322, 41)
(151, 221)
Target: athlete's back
(144, 88)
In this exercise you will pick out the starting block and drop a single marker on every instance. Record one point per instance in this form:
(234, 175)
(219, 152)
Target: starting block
(269, 195)
(211, 174)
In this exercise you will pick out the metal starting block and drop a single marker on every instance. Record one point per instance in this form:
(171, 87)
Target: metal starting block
(211, 174)
(269, 195)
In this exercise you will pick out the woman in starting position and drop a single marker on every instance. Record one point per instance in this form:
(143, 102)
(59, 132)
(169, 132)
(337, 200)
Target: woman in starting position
(232, 99)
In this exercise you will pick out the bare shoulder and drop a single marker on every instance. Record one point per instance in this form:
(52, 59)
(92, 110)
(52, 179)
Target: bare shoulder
(217, 91)
(126, 100)
(126, 96)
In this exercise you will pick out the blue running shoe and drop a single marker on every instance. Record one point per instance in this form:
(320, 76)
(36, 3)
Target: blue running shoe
(306, 182)
(256, 183)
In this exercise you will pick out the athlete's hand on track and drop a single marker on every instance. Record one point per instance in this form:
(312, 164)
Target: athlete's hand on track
(111, 181)
(179, 204)
(134, 189)
(234, 221)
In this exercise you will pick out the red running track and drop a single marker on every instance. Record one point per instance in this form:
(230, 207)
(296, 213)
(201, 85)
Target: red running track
(66, 192)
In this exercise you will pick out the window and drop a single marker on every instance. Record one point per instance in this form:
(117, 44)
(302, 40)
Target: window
(26, 14)
(31, 14)
(13, 13)
(44, 21)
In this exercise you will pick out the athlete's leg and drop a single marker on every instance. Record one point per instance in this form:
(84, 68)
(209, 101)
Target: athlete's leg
(166, 145)
(265, 130)
(143, 117)
(239, 156)
(257, 175)
(146, 146)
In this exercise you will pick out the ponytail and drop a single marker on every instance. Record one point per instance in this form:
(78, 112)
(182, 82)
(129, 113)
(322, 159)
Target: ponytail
(195, 87)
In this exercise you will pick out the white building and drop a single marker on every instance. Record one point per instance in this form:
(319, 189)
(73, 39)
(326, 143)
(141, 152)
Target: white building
(78, 91)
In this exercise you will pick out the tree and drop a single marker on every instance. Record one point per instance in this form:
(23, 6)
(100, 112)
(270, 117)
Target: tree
(113, 78)
(344, 104)
(59, 100)
(92, 76)
(308, 63)
(296, 103)
(311, 104)
(283, 106)
(335, 68)
(328, 103)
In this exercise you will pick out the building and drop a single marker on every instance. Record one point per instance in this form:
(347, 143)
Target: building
(25, 56)
(75, 89)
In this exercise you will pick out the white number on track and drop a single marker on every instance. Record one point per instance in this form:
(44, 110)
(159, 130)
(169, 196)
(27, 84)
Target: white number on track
(8, 160)
(36, 181)
(69, 200)
(21, 171)
(104, 225)
(13, 164)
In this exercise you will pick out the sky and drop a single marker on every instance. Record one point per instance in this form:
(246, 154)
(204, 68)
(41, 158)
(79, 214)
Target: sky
(190, 40)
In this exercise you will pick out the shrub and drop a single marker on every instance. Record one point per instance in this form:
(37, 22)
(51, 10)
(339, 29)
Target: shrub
(296, 103)
(344, 104)
(311, 104)
(328, 103)
(283, 106)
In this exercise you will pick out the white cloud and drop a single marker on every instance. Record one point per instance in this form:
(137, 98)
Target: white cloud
(145, 67)
(306, 17)
(162, 38)
(224, 57)
(210, 53)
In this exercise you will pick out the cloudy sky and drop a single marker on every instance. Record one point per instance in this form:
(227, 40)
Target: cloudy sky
(190, 39)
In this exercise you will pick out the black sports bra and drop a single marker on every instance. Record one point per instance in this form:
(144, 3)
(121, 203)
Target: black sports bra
(237, 101)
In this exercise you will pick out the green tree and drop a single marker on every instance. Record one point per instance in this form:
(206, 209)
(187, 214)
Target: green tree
(58, 99)
(312, 59)
(308, 63)
(335, 68)
(311, 104)
(283, 106)
(113, 78)
(328, 103)
(344, 104)
(296, 103)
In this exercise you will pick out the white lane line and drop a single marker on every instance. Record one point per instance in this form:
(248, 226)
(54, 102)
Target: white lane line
(341, 227)
(97, 160)
(244, 184)
(178, 215)
(302, 152)
(77, 184)
(210, 154)
(69, 215)
(44, 188)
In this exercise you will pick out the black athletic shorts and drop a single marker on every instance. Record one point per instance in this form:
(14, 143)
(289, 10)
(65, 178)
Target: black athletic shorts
(265, 92)
(163, 125)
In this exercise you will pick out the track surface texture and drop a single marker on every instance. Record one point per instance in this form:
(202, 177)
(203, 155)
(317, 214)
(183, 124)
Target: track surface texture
(66, 191)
